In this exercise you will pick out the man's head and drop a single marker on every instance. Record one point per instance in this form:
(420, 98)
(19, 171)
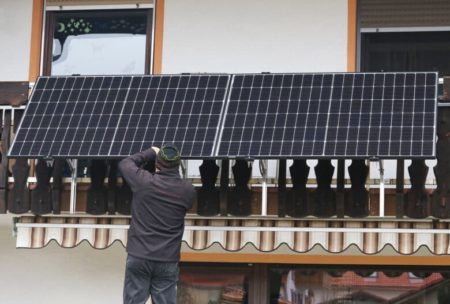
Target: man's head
(168, 157)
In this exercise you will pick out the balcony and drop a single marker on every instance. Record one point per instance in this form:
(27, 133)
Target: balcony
(324, 207)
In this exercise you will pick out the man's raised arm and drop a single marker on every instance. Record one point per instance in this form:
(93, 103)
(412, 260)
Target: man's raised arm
(131, 170)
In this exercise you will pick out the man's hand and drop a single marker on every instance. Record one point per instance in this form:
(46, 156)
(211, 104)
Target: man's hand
(156, 149)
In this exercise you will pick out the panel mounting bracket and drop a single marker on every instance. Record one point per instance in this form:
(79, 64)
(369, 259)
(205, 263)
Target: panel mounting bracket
(263, 170)
(382, 186)
(380, 162)
(184, 168)
(73, 163)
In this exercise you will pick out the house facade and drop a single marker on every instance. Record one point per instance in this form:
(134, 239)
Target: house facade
(302, 230)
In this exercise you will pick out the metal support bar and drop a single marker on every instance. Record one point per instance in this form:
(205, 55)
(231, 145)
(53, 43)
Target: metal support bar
(381, 188)
(224, 181)
(12, 108)
(263, 170)
(281, 176)
(340, 188)
(399, 188)
(247, 228)
(13, 123)
(73, 185)
(184, 168)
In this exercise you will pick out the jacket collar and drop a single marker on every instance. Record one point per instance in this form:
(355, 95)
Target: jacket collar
(173, 172)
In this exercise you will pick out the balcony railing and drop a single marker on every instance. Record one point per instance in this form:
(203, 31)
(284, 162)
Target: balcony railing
(225, 188)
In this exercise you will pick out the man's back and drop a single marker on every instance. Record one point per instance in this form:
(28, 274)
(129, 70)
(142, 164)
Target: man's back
(160, 202)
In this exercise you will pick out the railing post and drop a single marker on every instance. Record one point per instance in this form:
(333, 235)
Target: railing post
(6, 129)
(358, 198)
(299, 202)
(97, 195)
(416, 199)
(324, 196)
(57, 184)
(224, 181)
(340, 189)
(399, 189)
(282, 188)
(41, 198)
(208, 196)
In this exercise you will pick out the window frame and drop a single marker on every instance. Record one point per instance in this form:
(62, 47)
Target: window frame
(51, 17)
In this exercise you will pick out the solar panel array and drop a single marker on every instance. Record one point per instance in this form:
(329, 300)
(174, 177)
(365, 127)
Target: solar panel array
(340, 115)
(329, 115)
(115, 116)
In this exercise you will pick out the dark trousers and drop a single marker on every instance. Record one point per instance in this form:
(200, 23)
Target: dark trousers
(145, 278)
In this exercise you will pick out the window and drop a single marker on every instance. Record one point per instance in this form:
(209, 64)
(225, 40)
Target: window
(306, 285)
(98, 42)
(406, 51)
(213, 284)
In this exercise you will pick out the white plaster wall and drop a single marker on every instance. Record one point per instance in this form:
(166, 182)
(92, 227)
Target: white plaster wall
(15, 39)
(54, 275)
(238, 36)
(50, 275)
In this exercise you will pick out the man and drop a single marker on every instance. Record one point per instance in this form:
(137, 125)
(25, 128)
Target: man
(160, 202)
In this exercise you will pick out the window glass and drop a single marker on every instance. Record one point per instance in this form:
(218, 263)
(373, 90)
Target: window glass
(311, 286)
(212, 285)
(99, 42)
(406, 51)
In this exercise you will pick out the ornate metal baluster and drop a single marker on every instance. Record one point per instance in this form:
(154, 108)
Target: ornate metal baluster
(57, 185)
(4, 163)
(340, 189)
(324, 196)
(416, 199)
(399, 189)
(20, 195)
(41, 198)
(240, 196)
(298, 199)
(112, 187)
(208, 196)
(224, 181)
(358, 198)
(124, 198)
(97, 196)
(282, 188)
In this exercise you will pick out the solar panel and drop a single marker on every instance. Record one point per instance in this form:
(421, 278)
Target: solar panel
(115, 116)
(332, 115)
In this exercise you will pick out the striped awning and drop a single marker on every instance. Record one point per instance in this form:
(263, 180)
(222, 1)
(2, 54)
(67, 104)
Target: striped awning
(263, 235)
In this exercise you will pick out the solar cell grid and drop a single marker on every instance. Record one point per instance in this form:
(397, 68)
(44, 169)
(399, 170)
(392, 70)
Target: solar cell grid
(115, 116)
(333, 115)
(329, 115)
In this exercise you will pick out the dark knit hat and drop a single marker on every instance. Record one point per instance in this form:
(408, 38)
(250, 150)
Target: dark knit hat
(168, 157)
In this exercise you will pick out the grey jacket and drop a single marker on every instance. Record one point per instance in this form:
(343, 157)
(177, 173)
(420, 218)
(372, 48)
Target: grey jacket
(160, 202)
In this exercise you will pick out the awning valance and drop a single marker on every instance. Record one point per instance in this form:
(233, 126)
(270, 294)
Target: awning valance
(369, 237)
